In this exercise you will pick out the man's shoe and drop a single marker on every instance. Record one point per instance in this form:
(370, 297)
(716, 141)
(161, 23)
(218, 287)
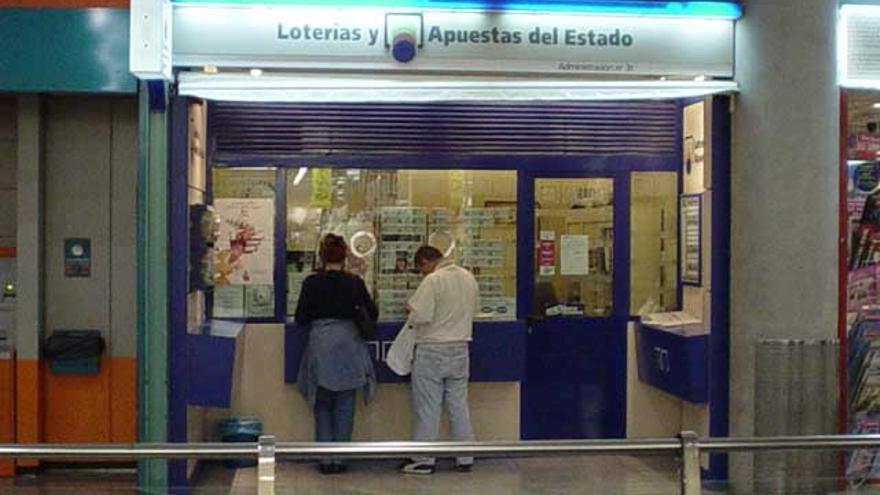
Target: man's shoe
(463, 468)
(416, 467)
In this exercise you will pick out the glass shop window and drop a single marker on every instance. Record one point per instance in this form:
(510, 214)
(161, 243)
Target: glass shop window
(386, 214)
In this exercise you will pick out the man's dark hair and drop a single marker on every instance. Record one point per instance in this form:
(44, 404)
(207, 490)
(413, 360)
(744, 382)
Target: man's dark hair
(427, 253)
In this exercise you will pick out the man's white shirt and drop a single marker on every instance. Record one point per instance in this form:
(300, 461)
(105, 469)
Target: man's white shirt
(443, 307)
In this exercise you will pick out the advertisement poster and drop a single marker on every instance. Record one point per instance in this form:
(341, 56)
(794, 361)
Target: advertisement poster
(863, 288)
(244, 254)
(866, 235)
(322, 187)
(547, 253)
(239, 183)
(77, 257)
(575, 256)
(864, 146)
(855, 207)
(866, 177)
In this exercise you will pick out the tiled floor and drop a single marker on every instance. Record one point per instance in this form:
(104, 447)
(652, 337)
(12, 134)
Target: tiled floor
(544, 476)
(72, 482)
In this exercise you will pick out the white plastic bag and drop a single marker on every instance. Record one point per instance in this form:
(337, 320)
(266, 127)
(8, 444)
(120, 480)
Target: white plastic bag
(400, 355)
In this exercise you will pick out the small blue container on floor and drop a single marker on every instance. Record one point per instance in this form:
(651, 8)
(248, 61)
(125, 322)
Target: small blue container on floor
(240, 430)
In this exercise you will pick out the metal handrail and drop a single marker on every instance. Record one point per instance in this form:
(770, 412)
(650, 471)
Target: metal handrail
(480, 449)
(688, 446)
(130, 450)
(641, 446)
(814, 442)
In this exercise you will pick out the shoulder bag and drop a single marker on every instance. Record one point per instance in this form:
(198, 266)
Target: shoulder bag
(365, 324)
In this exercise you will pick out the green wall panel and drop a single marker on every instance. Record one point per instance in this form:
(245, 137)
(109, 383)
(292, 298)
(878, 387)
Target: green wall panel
(65, 50)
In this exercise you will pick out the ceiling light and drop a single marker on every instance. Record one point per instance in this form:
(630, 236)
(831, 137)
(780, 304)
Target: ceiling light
(712, 9)
(300, 175)
(301, 87)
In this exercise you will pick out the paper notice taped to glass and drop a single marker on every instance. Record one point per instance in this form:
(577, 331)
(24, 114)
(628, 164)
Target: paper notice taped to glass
(575, 255)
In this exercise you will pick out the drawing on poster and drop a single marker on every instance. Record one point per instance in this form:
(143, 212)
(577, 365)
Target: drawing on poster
(245, 251)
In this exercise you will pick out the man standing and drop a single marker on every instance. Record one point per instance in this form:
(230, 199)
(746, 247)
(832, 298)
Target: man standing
(441, 312)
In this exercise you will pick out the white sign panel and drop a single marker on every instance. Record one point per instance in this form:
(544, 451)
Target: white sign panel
(296, 37)
(149, 43)
(860, 36)
(691, 238)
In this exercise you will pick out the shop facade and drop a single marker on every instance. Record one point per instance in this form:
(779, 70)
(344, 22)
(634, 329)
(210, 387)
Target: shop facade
(860, 90)
(574, 157)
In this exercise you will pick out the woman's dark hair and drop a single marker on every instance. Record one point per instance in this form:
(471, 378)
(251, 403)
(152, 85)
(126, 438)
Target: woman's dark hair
(333, 249)
(427, 253)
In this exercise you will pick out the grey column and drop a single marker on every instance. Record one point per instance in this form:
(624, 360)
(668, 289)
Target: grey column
(29, 321)
(784, 190)
(123, 228)
(29, 243)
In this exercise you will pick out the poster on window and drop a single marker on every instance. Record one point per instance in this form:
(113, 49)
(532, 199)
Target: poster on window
(547, 253)
(229, 301)
(691, 239)
(244, 253)
(259, 301)
(575, 255)
(322, 188)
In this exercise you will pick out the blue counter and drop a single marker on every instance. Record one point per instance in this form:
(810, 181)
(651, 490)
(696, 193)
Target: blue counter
(498, 351)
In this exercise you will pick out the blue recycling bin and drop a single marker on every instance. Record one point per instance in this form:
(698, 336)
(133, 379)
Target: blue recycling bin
(240, 430)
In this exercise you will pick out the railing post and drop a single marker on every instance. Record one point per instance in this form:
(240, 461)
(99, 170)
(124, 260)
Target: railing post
(690, 466)
(266, 465)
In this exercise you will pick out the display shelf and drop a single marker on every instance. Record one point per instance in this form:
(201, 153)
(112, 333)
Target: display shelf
(863, 380)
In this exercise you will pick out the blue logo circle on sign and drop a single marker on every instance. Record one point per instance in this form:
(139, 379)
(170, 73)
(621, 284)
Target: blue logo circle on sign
(867, 176)
(403, 47)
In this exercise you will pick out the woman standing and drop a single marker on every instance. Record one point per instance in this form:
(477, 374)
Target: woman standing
(336, 362)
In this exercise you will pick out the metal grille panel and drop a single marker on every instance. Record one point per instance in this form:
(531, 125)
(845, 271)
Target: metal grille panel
(569, 128)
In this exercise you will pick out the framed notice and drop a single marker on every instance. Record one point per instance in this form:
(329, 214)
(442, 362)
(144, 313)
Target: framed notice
(77, 257)
(691, 242)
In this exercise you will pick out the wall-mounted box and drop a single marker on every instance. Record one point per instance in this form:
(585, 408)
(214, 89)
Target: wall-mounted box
(674, 361)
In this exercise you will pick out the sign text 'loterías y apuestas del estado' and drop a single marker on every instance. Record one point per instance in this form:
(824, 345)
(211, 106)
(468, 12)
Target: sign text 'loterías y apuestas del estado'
(443, 40)
(446, 37)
